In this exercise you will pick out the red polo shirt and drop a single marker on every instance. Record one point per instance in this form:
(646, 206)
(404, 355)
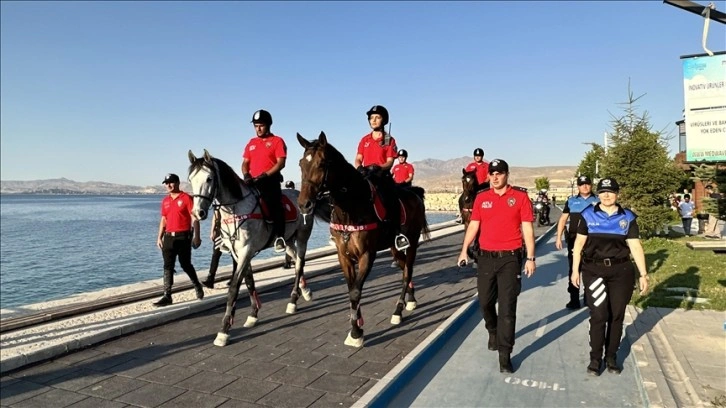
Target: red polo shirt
(374, 153)
(178, 212)
(263, 152)
(401, 172)
(501, 218)
(482, 171)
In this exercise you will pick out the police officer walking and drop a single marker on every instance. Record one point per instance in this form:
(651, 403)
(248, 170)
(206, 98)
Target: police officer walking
(503, 215)
(607, 236)
(262, 161)
(573, 207)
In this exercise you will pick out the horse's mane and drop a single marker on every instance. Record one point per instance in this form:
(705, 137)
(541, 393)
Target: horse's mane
(227, 176)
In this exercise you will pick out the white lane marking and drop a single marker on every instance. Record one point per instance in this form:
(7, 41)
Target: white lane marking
(541, 329)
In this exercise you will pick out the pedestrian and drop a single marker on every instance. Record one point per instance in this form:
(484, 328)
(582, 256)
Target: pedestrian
(481, 167)
(607, 236)
(289, 262)
(262, 161)
(215, 236)
(178, 234)
(403, 171)
(573, 207)
(503, 214)
(376, 150)
(685, 210)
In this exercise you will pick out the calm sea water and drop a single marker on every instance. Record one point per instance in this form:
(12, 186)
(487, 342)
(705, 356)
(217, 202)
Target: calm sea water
(54, 246)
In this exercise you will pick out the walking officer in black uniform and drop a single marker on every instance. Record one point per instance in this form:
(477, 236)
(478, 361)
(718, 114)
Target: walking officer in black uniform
(607, 236)
(503, 215)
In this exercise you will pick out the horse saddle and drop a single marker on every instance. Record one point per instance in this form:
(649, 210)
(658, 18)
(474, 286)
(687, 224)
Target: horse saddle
(288, 207)
(380, 209)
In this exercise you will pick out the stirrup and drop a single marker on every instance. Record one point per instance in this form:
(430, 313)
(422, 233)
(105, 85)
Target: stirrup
(401, 242)
(279, 244)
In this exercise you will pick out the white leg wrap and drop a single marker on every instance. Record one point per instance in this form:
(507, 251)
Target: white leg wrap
(250, 322)
(307, 294)
(395, 319)
(350, 341)
(291, 308)
(410, 306)
(221, 339)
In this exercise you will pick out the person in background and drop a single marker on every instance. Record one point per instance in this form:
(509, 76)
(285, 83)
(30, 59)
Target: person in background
(288, 259)
(503, 213)
(403, 171)
(262, 161)
(481, 167)
(607, 236)
(573, 207)
(215, 236)
(685, 210)
(176, 237)
(377, 149)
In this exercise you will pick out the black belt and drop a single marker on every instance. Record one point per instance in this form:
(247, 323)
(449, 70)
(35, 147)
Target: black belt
(179, 234)
(606, 261)
(501, 254)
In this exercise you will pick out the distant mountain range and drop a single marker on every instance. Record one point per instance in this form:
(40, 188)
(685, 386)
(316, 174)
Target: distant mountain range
(432, 174)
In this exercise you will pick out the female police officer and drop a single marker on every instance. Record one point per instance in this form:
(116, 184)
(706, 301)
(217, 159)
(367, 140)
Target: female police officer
(607, 235)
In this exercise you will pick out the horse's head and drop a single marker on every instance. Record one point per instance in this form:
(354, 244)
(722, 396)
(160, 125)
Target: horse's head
(315, 173)
(203, 178)
(469, 184)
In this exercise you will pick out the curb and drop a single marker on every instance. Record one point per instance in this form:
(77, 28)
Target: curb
(177, 311)
(381, 394)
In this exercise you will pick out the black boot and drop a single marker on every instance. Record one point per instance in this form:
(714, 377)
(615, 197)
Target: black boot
(612, 365)
(168, 282)
(198, 289)
(492, 344)
(574, 302)
(209, 282)
(594, 368)
(505, 362)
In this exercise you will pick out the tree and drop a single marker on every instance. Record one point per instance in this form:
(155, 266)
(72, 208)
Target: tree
(638, 159)
(542, 183)
(591, 164)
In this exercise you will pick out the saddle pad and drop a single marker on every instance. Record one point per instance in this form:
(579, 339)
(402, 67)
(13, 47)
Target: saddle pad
(380, 209)
(288, 207)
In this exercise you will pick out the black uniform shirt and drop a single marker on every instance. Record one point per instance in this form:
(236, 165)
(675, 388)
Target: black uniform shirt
(607, 234)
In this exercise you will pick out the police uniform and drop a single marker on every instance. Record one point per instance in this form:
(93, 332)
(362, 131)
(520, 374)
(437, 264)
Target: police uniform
(573, 207)
(402, 171)
(608, 275)
(500, 259)
(481, 168)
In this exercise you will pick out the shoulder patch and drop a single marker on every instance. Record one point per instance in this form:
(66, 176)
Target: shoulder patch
(481, 191)
(518, 188)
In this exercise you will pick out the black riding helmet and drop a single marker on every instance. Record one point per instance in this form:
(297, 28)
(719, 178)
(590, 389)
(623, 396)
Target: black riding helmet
(289, 184)
(379, 110)
(262, 116)
(479, 152)
(403, 153)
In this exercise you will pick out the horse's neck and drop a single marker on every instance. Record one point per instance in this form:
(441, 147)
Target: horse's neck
(233, 204)
(351, 201)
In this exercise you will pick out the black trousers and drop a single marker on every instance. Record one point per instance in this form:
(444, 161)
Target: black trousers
(500, 279)
(608, 290)
(271, 191)
(573, 290)
(181, 247)
(214, 264)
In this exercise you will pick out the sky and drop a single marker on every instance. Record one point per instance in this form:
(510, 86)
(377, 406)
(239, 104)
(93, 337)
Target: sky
(121, 91)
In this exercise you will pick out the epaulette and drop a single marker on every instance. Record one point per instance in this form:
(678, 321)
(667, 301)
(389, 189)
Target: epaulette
(522, 189)
(483, 190)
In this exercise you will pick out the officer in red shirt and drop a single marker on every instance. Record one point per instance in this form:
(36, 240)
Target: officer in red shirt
(377, 150)
(503, 215)
(178, 233)
(481, 167)
(262, 161)
(403, 171)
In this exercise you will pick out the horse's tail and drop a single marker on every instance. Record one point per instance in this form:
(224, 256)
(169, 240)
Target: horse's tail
(421, 193)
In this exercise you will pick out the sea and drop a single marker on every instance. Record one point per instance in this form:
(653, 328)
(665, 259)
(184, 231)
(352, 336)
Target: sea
(56, 246)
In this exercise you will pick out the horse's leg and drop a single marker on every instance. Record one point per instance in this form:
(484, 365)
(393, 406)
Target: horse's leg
(355, 289)
(243, 268)
(408, 278)
(254, 298)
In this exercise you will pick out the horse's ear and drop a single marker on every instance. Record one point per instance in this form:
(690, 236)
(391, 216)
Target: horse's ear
(323, 139)
(207, 156)
(192, 158)
(303, 142)
(463, 171)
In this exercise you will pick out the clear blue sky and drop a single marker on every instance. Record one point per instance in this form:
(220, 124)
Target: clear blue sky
(120, 91)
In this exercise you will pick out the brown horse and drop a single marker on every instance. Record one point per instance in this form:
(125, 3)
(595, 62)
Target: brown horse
(356, 228)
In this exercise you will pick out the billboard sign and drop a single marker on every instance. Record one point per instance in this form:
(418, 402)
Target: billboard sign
(704, 88)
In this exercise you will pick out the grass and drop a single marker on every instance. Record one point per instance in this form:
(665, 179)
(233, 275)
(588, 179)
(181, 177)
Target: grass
(672, 264)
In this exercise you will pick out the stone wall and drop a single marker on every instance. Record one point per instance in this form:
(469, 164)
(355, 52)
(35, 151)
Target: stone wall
(442, 202)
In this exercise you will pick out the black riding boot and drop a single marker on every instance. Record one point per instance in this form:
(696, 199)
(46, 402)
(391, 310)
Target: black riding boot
(505, 362)
(168, 282)
(198, 289)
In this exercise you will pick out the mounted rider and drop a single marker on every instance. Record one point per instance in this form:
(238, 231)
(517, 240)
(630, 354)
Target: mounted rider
(481, 168)
(378, 150)
(262, 161)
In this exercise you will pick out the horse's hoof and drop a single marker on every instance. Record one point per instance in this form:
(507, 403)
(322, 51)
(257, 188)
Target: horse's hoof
(250, 322)
(350, 341)
(410, 306)
(307, 294)
(221, 339)
(395, 319)
(291, 308)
